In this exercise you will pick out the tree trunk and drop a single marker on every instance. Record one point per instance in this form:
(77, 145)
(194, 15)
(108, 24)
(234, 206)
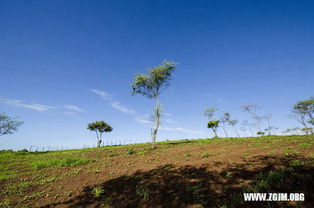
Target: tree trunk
(251, 131)
(99, 142)
(215, 132)
(224, 130)
(236, 131)
(157, 123)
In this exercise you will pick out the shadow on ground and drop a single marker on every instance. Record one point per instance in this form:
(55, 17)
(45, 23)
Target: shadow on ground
(188, 186)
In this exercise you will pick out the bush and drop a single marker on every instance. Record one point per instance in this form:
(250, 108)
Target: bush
(130, 151)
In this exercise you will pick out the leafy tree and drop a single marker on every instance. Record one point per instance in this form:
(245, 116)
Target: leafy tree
(99, 127)
(252, 110)
(213, 125)
(8, 125)
(151, 84)
(304, 113)
(260, 133)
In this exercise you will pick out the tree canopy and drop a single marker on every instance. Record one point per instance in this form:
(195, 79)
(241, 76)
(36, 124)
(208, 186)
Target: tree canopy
(150, 84)
(99, 127)
(8, 125)
(157, 78)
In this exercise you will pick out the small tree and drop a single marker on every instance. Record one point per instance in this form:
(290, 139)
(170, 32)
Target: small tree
(150, 85)
(99, 127)
(213, 125)
(8, 125)
(303, 113)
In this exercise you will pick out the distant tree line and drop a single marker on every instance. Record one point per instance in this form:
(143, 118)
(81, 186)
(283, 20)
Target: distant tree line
(303, 112)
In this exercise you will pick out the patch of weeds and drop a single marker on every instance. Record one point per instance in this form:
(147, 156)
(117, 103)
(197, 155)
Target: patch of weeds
(75, 171)
(305, 145)
(130, 151)
(143, 152)
(97, 192)
(246, 153)
(96, 170)
(142, 192)
(295, 164)
(198, 194)
(34, 196)
(229, 174)
(68, 193)
(5, 203)
(205, 155)
(273, 178)
(112, 154)
(48, 180)
(6, 173)
(56, 196)
(187, 154)
(56, 162)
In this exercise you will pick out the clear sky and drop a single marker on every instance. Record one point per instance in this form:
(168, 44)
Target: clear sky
(67, 63)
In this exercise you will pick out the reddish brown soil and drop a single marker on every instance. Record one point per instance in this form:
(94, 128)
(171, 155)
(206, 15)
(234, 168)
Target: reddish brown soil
(173, 175)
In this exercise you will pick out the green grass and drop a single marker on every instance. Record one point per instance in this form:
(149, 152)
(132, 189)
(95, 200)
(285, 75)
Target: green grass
(56, 162)
(6, 173)
(274, 178)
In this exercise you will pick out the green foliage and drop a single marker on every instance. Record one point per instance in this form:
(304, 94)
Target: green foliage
(273, 178)
(99, 127)
(260, 133)
(97, 192)
(130, 151)
(57, 162)
(212, 124)
(205, 154)
(8, 125)
(187, 154)
(305, 107)
(158, 77)
(6, 173)
(142, 191)
(150, 84)
(296, 164)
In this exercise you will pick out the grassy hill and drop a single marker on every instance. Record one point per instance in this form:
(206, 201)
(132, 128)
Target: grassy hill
(189, 173)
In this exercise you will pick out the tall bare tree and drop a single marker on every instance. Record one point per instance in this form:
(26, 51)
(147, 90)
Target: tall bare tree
(252, 110)
(224, 121)
(246, 124)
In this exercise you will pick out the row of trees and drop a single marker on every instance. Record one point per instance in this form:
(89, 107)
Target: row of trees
(158, 78)
(303, 112)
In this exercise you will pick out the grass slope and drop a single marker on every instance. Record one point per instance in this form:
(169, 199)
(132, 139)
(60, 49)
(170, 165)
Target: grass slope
(188, 173)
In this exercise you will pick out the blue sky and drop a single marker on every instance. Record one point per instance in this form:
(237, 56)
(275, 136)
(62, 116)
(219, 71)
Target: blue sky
(67, 63)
